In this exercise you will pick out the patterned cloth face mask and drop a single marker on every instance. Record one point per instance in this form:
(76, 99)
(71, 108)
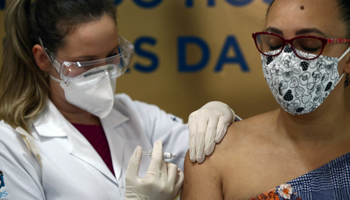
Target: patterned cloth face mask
(300, 86)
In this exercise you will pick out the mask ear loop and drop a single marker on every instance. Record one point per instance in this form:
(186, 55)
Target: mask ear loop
(344, 54)
(339, 59)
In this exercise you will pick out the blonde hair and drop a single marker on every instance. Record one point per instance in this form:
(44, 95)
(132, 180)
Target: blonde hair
(24, 88)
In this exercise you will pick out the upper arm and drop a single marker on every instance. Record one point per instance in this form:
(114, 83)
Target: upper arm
(202, 181)
(21, 172)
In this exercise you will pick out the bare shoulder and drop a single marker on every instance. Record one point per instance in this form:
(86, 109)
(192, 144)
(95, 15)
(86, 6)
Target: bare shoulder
(244, 134)
(244, 152)
(243, 137)
(207, 180)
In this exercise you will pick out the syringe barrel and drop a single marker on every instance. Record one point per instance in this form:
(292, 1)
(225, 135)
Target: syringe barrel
(166, 155)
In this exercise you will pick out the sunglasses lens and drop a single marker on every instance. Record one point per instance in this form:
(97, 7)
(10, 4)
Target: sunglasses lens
(308, 48)
(269, 44)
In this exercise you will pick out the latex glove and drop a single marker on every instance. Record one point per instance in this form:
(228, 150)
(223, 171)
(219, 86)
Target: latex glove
(207, 126)
(162, 181)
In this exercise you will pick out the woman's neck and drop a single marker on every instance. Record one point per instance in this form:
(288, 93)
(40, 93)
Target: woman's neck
(315, 138)
(328, 123)
(74, 114)
(79, 116)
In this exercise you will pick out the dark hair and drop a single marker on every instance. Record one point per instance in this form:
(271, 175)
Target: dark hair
(24, 88)
(52, 20)
(344, 8)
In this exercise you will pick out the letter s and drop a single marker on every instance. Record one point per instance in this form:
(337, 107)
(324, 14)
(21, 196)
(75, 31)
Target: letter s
(2, 4)
(239, 2)
(143, 53)
(268, 1)
(148, 4)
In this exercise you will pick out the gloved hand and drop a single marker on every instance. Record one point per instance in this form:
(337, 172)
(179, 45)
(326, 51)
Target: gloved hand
(207, 126)
(162, 181)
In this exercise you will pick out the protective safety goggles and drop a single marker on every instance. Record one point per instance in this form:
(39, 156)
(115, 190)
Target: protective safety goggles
(117, 64)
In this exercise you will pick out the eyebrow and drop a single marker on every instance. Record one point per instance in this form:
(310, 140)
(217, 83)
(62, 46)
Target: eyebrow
(310, 30)
(299, 32)
(93, 57)
(274, 30)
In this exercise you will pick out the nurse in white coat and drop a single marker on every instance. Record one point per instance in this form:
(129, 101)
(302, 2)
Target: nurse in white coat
(64, 134)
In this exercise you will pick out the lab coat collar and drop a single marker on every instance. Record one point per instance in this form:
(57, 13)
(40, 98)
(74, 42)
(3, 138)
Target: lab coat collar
(114, 118)
(51, 123)
(115, 140)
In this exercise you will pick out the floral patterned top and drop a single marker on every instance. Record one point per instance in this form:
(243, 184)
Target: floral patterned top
(329, 182)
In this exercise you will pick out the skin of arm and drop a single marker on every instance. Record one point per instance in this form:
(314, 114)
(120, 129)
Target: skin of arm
(236, 169)
(209, 180)
(202, 181)
(224, 173)
(241, 163)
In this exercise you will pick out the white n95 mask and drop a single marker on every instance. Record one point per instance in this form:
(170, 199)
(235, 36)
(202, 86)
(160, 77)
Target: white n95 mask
(90, 85)
(93, 90)
(300, 86)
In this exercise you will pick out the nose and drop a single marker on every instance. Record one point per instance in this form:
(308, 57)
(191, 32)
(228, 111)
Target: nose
(288, 48)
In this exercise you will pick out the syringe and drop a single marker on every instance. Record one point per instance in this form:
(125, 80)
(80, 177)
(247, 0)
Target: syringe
(166, 155)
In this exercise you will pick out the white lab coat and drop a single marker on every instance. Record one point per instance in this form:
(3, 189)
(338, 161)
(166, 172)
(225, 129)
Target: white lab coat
(71, 168)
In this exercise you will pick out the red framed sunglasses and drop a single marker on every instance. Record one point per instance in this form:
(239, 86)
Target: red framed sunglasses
(305, 47)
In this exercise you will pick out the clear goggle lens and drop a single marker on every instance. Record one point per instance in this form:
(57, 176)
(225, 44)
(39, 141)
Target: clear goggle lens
(71, 70)
(94, 75)
(116, 65)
